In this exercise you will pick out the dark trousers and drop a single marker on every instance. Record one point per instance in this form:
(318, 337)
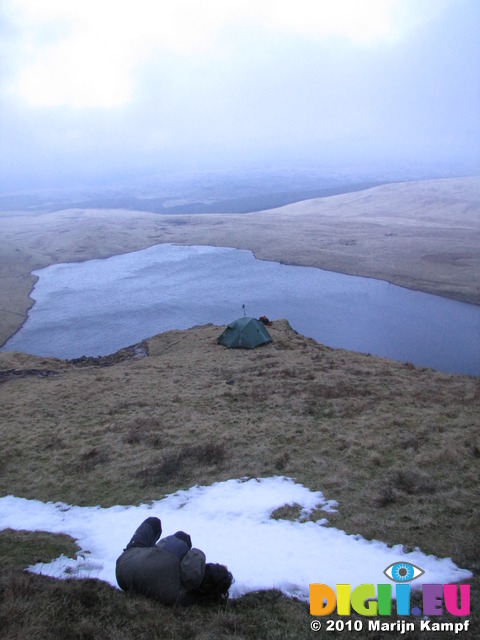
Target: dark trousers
(147, 533)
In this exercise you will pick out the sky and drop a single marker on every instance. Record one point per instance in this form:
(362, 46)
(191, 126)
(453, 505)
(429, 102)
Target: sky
(231, 522)
(102, 88)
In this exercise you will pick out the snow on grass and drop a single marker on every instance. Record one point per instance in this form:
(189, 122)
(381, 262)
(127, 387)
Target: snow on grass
(231, 521)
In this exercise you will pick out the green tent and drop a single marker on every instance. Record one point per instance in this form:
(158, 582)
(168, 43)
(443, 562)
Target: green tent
(244, 333)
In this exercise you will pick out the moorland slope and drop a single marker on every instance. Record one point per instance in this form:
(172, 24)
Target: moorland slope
(396, 446)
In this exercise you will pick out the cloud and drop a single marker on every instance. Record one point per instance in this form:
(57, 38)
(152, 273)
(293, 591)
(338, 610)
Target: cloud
(100, 87)
(86, 54)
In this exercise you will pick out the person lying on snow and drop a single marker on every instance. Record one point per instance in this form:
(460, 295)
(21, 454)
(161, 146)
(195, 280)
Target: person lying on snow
(170, 571)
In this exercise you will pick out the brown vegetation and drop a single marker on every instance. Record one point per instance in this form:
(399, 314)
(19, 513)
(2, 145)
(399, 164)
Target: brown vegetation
(396, 446)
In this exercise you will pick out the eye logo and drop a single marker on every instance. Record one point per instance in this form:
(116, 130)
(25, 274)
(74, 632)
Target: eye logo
(403, 572)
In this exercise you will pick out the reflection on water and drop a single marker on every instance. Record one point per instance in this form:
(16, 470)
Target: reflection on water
(99, 306)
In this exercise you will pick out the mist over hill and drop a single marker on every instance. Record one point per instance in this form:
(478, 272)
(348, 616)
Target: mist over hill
(239, 190)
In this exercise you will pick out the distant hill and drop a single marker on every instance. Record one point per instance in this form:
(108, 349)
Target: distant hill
(421, 235)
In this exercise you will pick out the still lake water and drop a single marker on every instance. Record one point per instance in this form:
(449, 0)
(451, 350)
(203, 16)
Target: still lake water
(99, 306)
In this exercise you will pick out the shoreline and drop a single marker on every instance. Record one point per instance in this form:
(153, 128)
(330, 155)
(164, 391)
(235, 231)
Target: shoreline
(392, 322)
(282, 262)
(406, 234)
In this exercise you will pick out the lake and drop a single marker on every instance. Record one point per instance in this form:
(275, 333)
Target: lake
(99, 306)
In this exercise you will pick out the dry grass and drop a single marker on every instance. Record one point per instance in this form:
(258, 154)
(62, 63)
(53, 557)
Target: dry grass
(396, 446)
(44, 608)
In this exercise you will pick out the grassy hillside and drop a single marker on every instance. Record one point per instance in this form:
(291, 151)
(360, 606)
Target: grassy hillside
(398, 447)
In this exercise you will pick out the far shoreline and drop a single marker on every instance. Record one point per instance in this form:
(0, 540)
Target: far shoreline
(406, 234)
(323, 316)
(282, 262)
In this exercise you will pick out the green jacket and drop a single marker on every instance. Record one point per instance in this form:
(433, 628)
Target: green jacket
(168, 571)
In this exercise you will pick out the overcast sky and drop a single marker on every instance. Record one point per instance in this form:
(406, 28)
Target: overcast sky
(94, 88)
